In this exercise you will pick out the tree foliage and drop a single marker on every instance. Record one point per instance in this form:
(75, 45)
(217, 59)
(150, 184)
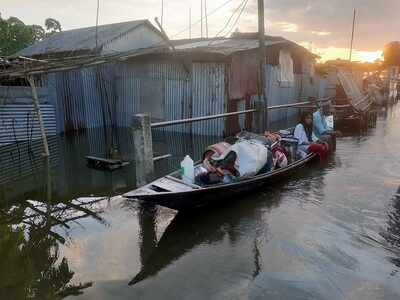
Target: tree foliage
(52, 25)
(15, 35)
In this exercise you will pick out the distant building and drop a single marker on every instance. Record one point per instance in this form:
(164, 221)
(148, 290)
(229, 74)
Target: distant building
(199, 77)
(106, 39)
(391, 52)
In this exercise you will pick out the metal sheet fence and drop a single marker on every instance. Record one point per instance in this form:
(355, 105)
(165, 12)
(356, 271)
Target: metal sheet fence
(110, 94)
(278, 94)
(208, 87)
(23, 159)
(19, 122)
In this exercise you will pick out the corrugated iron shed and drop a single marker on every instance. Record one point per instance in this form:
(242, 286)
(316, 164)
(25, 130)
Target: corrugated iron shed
(83, 40)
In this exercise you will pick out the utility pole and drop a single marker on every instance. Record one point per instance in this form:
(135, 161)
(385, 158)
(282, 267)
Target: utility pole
(201, 18)
(190, 23)
(205, 13)
(97, 24)
(352, 35)
(262, 121)
(162, 12)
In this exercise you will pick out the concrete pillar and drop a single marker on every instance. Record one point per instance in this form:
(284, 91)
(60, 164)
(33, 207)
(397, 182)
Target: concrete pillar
(143, 145)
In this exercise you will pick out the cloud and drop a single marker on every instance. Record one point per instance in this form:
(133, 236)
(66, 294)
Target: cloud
(286, 27)
(321, 33)
(375, 24)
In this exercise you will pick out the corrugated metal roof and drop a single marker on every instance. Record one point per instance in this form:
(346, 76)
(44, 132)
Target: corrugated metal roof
(82, 39)
(225, 46)
(221, 46)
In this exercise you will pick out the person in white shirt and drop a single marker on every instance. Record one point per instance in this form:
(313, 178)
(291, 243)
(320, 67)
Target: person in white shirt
(307, 140)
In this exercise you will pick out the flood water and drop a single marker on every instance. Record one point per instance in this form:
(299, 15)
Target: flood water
(330, 232)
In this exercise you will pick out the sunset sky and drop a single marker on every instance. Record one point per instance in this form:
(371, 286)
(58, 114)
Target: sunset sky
(321, 25)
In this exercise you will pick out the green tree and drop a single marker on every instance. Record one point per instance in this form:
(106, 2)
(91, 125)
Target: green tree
(15, 35)
(52, 26)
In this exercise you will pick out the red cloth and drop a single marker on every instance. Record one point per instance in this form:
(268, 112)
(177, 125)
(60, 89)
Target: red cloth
(320, 149)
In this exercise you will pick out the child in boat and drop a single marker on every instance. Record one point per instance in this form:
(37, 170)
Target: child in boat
(308, 141)
(213, 173)
(243, 159)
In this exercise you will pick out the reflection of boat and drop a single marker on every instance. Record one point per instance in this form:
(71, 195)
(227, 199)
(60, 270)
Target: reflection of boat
(189, 230)
(172, 192)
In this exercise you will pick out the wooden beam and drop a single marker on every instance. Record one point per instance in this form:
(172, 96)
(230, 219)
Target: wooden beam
(39, 115)
(262, 97)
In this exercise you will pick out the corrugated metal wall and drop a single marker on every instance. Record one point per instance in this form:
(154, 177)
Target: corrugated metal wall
(23, 159)
(160, 89)
(111, 94)
(208, 87)
(18, 119)
(281, 94)
(19, 122)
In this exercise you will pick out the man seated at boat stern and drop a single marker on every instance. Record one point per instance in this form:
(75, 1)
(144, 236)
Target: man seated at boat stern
(321, 128)
(308, 142)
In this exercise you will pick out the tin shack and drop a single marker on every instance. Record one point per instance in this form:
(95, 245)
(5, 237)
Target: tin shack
(144, 73)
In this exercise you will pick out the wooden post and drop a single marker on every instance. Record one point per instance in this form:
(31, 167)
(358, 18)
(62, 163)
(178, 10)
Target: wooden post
(262, 62)
(259, 116)
(143, 149)
(36, 105)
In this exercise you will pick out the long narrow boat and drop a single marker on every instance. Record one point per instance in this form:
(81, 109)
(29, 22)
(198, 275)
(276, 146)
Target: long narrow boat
(170, 191)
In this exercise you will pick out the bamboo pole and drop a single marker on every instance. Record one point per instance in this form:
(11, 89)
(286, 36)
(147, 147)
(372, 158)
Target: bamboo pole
(352, 35)
(36, 105)
(262, 97)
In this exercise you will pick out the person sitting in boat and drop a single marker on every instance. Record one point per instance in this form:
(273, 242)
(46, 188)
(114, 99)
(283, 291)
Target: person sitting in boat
(279, 154)
(321, 128)
(211, 173)
(308, 142)
(243, 159)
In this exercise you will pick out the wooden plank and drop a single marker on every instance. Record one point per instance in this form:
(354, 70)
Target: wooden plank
(104, 160)
(104, 163)
(182, 182)
(171, 185)
(157, 158)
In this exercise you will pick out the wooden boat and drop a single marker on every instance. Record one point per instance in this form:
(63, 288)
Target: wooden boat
(170, 191)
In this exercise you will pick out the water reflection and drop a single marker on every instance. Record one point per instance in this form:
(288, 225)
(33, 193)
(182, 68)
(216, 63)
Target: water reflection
(392, 232)
(30, 239)
(206, 227)
(393, 223)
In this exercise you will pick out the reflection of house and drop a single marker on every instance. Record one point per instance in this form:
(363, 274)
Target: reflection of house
(200, 77)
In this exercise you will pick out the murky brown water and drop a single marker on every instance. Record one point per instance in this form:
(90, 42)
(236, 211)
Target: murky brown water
(331, 232)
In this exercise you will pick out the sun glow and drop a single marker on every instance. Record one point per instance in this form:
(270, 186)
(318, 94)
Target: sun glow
(332, 53)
